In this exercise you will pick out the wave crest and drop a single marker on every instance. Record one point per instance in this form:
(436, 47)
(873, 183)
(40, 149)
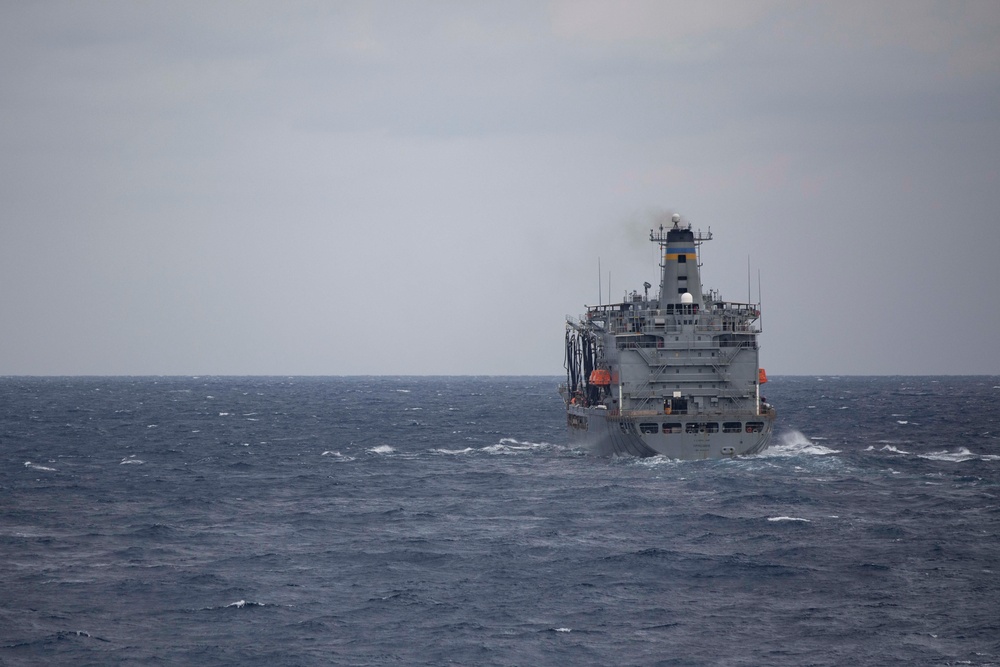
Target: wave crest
(512, 446)
(796, 443)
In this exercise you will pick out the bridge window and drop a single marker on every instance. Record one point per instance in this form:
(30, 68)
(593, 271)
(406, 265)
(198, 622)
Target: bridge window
(755, 427)
(732, 427)
(649, 428)
(671, 427)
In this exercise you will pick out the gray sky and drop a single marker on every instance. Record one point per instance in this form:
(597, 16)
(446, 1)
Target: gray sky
(426, 188)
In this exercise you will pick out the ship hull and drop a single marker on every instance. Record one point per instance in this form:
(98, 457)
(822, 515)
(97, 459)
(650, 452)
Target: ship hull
(685, 437)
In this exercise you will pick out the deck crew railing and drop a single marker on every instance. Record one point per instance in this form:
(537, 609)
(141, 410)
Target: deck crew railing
(623, 326)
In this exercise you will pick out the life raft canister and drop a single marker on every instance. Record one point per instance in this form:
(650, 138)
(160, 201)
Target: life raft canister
(761, 376)
(601, 377)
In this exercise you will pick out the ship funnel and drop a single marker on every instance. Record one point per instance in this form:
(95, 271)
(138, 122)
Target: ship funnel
(680, 281)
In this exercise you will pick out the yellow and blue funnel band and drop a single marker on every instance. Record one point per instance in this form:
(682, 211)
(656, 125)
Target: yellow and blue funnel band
(674, 253)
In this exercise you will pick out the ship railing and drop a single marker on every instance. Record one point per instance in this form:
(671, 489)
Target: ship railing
(723, 408)
(639, 344)
(733, 393)
(654, 402)
(724, 358)
(621, 415)
(620, 327)
(738, 309)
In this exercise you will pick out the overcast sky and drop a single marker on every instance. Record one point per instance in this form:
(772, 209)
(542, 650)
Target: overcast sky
(426, 188)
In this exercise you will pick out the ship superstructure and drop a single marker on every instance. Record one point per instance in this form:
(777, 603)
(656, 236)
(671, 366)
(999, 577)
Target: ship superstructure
(676, 375)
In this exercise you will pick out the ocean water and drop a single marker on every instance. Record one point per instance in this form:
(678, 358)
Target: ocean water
(436, 521)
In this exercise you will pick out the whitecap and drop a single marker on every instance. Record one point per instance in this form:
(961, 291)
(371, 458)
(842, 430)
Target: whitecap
(512, 446)
(35, 466)
(337, 456)
(403, 391)
(498, 449)
(131, 459)
(902, 421)
(382, 449)
(453, 451)
(960, 456)
(563, 630)
(787, 518)
(654, 461)
(893, 449)
(240, 604)
(795, 443)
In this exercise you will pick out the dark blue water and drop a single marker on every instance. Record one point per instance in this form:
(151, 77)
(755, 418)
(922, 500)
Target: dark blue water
(431, 521)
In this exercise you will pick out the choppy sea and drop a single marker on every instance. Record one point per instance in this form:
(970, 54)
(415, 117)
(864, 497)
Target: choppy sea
(436, 521)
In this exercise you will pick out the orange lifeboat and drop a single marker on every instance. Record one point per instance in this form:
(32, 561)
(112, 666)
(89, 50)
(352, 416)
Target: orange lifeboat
(601, 377)
(761, 376)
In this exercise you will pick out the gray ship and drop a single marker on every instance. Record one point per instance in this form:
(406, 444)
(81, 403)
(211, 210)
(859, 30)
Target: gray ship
(677, 375)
